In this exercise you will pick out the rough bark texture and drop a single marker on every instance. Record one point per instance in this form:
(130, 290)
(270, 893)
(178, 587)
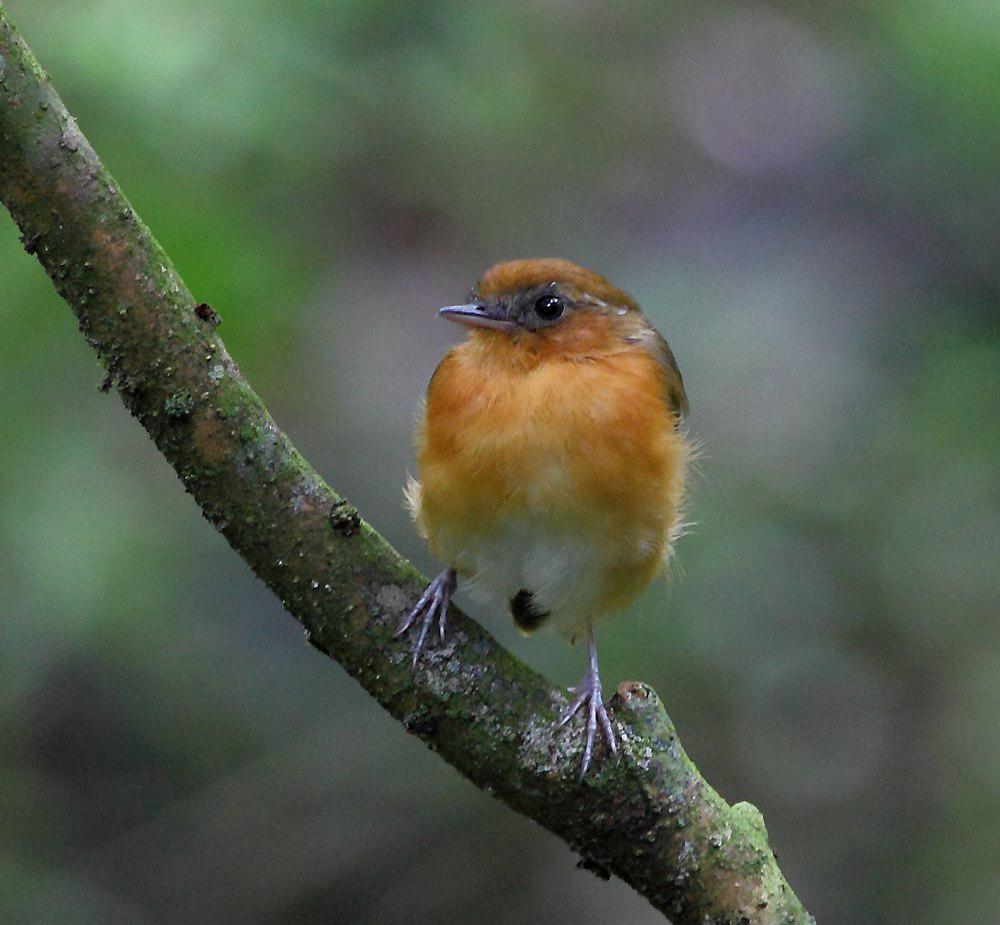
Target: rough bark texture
(650, 818)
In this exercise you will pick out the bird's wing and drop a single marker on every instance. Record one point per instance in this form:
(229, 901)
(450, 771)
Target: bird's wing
(671, 373)
(647, 337)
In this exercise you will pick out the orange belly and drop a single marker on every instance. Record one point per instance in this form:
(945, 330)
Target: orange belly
(563, 478)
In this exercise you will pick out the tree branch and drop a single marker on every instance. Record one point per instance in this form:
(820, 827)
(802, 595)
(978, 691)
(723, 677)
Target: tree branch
(650, 818)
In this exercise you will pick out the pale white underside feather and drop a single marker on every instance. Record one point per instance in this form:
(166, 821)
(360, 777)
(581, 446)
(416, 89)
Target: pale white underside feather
(563, 571)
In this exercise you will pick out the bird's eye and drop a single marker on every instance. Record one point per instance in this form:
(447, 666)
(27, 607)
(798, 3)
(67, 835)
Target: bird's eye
(549, 307)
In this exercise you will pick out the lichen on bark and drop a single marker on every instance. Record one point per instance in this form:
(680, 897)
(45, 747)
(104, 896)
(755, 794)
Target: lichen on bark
(649, 818)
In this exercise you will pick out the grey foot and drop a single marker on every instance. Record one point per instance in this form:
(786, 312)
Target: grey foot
(588, 692)
(433, 602)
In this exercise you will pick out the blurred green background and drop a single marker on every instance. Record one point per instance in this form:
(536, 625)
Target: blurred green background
(804, 197)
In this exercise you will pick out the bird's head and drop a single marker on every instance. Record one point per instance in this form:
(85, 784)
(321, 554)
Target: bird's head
(546, 305)
(524, 313)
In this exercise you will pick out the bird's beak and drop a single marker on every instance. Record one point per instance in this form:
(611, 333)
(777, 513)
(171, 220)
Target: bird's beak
(477, 316)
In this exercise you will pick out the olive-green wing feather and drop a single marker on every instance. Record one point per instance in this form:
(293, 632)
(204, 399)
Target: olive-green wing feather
(657, 345)
(675, 382)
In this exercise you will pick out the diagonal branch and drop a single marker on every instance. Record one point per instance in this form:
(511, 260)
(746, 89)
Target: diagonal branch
(650, 818)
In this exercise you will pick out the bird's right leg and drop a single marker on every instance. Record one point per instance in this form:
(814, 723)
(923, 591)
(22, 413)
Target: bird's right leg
(433, 602)
(588, 694)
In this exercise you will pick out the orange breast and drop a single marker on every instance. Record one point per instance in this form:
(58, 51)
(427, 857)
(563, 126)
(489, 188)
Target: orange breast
(582, 448)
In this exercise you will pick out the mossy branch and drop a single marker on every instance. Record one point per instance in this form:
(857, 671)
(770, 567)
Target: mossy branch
(649, 818)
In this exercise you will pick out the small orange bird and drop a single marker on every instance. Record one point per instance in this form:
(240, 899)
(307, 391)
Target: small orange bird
(551, 467)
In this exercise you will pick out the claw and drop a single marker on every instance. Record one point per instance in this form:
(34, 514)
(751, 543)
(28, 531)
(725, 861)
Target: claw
(589, 692)
(407, 621)
(433, 602)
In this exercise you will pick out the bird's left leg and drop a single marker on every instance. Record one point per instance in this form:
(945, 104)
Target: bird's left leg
(589, 692)
(433, 602)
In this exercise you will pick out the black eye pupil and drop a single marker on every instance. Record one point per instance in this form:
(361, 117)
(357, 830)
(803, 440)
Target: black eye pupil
(549, 307)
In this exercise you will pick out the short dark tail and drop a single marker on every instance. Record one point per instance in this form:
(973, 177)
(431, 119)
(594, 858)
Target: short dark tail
(527, 616)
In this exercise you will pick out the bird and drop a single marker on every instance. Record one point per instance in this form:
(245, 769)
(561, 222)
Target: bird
(551, 462)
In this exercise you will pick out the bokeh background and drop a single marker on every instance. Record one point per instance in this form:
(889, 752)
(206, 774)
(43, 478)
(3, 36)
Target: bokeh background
(804, 197)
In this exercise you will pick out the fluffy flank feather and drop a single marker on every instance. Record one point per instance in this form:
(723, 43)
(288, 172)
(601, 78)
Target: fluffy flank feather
(412, 494)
